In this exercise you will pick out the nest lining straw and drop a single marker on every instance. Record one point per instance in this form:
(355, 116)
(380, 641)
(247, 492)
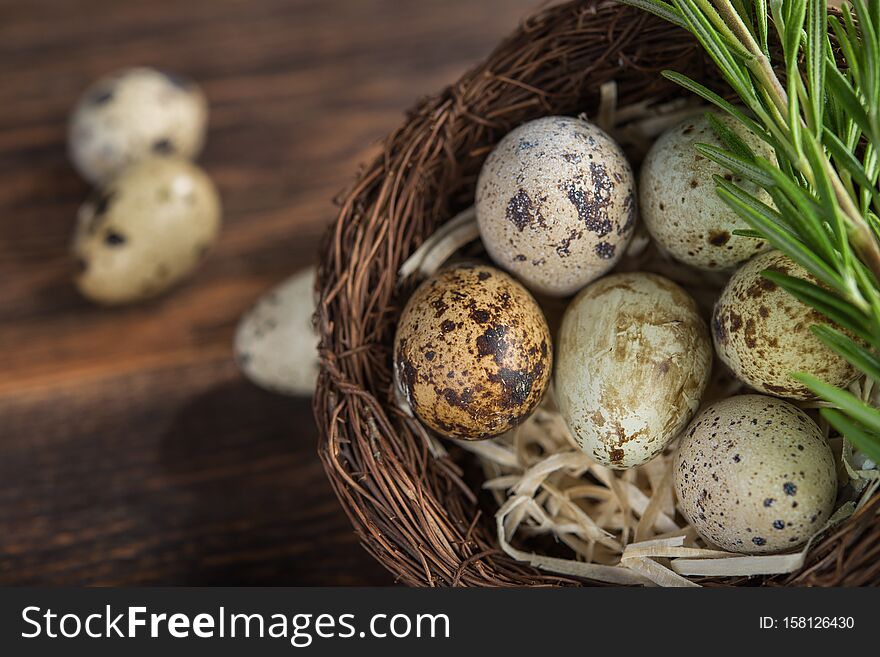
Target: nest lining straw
(416, 502)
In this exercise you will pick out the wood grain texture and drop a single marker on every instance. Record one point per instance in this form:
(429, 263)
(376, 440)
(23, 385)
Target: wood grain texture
(131, 450)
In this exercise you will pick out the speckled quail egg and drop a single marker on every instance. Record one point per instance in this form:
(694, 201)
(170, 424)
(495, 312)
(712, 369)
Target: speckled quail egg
(763, 333)
(679, 204)
(132, 114)
(276, 344)
(555, 204)
(754, 474)
(633, 361)
(145, 231)
(472, 354)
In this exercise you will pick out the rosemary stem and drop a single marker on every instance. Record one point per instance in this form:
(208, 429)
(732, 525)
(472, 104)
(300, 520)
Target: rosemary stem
(760, 66)
(860, 232)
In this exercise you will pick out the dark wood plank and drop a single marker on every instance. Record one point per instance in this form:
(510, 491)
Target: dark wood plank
(131, 450)
(204, 479)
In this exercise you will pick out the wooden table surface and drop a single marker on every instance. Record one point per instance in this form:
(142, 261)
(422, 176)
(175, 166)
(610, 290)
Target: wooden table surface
(131, 449)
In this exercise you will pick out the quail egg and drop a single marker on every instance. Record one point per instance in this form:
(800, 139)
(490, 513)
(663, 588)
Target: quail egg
(763, 333)
(132, 114)
(472, 354)
(678, 202)
(145, 231)
(275, 343)
(555, 204)
(754, 474)
(633, 361)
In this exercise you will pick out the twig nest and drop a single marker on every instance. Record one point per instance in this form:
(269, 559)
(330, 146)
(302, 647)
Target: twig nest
(678, 202)
(145, 231)
(133, 114)
(555, 204)
(763, 333)
(472, 354)
(276, 343)
(754, 474)
(634, 358)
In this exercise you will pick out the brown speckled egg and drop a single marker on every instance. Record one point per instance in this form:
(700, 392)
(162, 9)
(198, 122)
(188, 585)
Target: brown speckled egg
(472, 354)
(133, 114)
(754, 474)
(633, 361)
(555, 204)
(145, 231)
(763, 333)
(679, 204)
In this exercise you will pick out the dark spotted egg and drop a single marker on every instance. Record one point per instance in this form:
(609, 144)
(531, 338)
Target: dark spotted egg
(133, 114)
(555, 204)
(754, 474)
(763, 333)
(145, 231)
(472, 354)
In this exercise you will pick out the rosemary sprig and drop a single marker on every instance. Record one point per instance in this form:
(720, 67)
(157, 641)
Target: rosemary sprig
(823, 122)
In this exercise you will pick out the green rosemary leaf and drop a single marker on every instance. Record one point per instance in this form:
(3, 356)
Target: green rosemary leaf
(865, 360)
(792, 33)
(852, 35)
(869, 287)
(758, 206)
(778, 17)
(844, 94)
(836, 120)
(870, 49)
(761, 21)
(874, 222)
(793, 29)
(659, 8)
(785, 241)
(824, 190)
(817, 38)
(848, 162)
(748, 232)
(825, 302)
(846, 401)
(809, 290)
(730, 139)
(800, 209)
(862, 440)
(843, 41)
(710, 96)
(871, 164)
(714, 45)
(738, 165)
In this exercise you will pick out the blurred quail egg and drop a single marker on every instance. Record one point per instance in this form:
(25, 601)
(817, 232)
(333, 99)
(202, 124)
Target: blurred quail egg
(763, 333)
(472, 354)
(145, 231)
(754, 474)
(633, 361)
(132, 114)
(679, 204)
(555, 204)
(276, 344)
